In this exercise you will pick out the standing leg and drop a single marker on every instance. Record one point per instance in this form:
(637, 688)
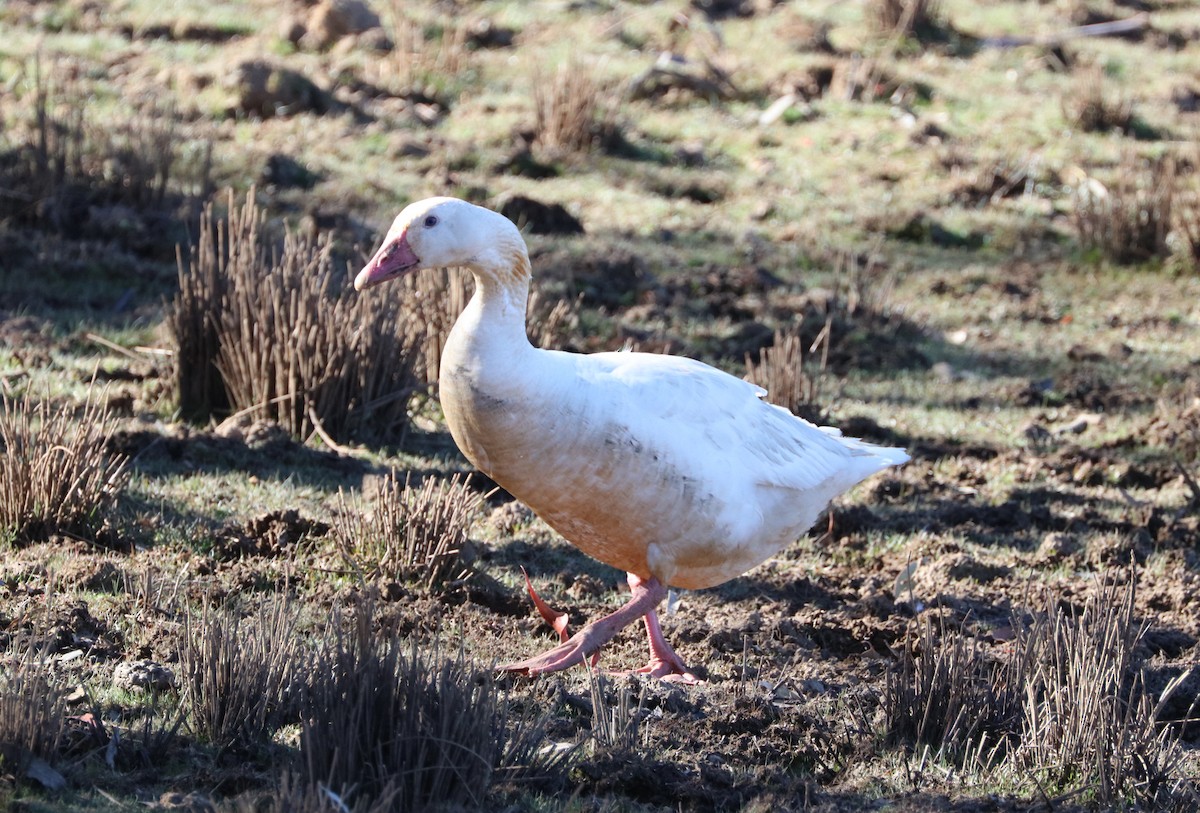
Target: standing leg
(664, 663)
(646, 595)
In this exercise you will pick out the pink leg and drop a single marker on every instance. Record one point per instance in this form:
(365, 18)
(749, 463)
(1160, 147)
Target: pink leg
(551, 616)
(646, 596)
(664, 663)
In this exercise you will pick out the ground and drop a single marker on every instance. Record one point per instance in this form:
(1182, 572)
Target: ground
(917, 214)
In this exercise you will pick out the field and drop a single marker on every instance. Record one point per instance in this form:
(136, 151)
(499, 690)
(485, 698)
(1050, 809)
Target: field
(243, 566)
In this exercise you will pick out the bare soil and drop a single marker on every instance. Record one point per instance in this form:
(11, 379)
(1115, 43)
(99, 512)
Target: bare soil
(918, 237)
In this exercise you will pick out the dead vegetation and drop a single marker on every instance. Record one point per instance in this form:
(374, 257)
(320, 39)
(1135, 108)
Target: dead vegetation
(1066, 709)
(410, 534)
(286, 336)
(386, 723)
(781, 372)
(905, 18)
(63, 169)
(432, 299)
(1093, 107)
(574, 110)
(425, 52)
(950, 700)
(56, 474)
(240, 676)
(1129, 219)
(1088, 719)
(33, 711)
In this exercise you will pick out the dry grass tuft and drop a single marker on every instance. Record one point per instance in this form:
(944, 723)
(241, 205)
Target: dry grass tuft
(288, 339)
(32, 710)
(293, 795)
(1067, 711)
(60, 169)
(413, 534)
(780, 371)
(616, 726)
(574, 111)
(904, 18)
(950, 698)
(1187, 221)
(384, 721)
(239, 676)
(1088, 719)
(1091, 108)
(425, 53)
(432, 301)
(56, 476)
(1129, 220)
(553, 323)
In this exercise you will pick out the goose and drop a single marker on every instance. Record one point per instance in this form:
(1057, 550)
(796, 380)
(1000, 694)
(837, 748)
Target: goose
(673, 471)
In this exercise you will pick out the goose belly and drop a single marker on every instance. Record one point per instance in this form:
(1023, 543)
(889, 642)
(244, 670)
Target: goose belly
(622, 503)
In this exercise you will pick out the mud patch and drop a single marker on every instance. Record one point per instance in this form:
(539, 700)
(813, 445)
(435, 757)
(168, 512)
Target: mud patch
(272, 535)
(27, 340)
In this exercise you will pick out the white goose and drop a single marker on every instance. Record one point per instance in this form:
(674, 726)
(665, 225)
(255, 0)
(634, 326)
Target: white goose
(671, 470)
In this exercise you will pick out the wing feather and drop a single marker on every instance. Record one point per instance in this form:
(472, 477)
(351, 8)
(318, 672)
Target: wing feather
(689, 409)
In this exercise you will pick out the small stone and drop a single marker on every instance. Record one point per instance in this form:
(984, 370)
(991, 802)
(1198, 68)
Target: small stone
(292, 29)
(143, 674)
(331, 20)
(1036, 434)
(1056, 546)
(263, 89)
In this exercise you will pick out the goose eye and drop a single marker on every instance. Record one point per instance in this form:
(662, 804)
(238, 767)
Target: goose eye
(431, 221)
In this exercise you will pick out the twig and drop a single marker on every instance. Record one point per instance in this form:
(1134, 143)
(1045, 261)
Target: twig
(136, 353)
(153, 351)
(1107, 29)
(1191, 482)
(125, 351)
(344, 451)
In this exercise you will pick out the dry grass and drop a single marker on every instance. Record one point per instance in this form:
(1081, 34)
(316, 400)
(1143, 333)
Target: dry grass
(616, 726)
(1067, 711)
(288, 339)
(425, 53)
(32, 710)
(56, 475)
(780, 371)
(950, 698)
(1088, 719)
(239, 676)
(1129, 220)
(1187, 220)
(383, 722)
(553, 323)
(1092, 108)
(413, 534)
(574, 111)
(904, 18)
(60, 165)
(294, 795)
(431, 301)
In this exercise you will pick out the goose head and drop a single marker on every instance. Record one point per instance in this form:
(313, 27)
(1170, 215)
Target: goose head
(442, 232)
